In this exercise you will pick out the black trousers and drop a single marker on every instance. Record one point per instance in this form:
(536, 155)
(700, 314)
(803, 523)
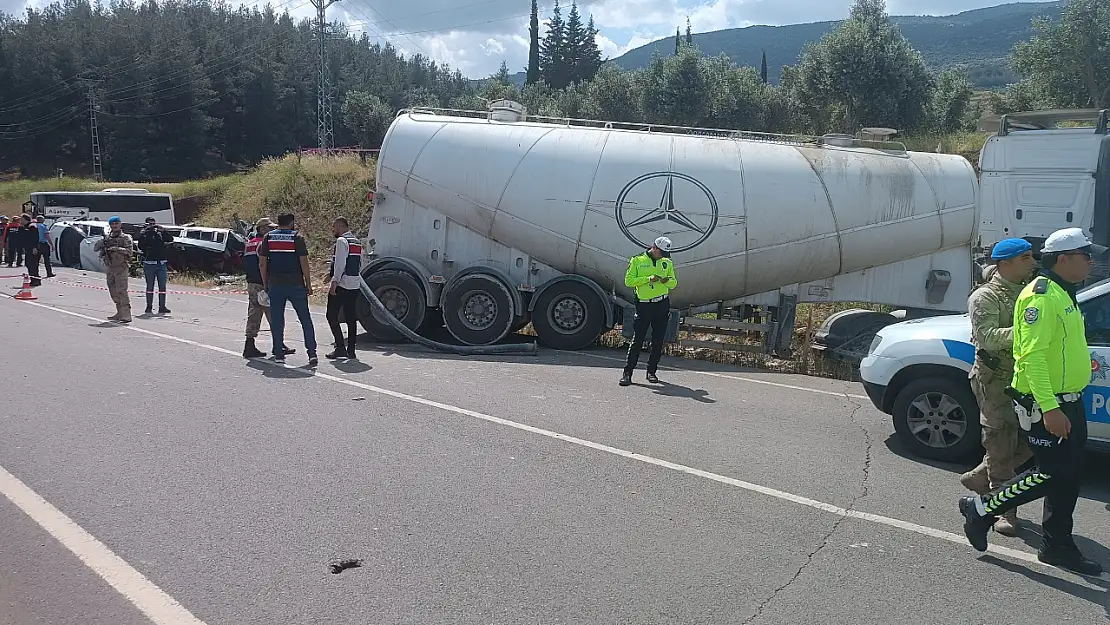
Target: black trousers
(15, 254)
(343, 301)
(653, 315)
(32, 263)
(1056, 476)
(44, 252)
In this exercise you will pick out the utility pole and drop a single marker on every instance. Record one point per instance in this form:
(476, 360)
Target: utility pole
(324, 135)
(98, 170)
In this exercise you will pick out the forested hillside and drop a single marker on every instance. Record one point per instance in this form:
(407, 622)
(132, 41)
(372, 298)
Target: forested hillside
(980, 40)
(191, 88)
(184, 88)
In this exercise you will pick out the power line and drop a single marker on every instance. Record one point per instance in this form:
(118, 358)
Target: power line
(186, 108)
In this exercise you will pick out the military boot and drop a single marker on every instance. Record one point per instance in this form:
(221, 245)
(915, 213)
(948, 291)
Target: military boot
(976, 481)
(1007, 524)
(250, 351)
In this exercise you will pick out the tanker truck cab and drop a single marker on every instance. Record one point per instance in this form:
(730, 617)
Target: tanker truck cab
(1043, 171)
(1039, 172)
(917, 372)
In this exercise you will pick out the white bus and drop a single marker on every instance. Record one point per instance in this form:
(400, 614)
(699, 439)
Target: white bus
(132, 205)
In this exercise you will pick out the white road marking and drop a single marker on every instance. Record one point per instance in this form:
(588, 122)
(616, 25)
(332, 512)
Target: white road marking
(748, 486)
(151, 600)
(732, 377)
(226, 298)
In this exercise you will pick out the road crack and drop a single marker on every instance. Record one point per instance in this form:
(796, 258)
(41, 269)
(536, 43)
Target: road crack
(865, 489)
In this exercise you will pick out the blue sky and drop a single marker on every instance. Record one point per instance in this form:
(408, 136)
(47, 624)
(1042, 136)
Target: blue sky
(475, 35)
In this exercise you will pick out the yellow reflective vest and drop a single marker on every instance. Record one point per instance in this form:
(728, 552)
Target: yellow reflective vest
(640, 270)
(1050, 344)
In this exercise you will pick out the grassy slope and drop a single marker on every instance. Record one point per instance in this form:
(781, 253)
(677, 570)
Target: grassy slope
(316, 189)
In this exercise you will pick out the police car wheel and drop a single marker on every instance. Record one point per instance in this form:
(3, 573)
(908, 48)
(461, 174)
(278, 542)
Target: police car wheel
(401, 294)
(568, 315)
(937, 418)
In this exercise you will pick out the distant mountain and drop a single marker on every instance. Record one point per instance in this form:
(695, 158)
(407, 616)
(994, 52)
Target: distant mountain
(982, 40)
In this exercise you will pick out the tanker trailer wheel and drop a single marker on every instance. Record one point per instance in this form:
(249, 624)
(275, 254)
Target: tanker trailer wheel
(401, 294)
(568, 315)
(478, 310)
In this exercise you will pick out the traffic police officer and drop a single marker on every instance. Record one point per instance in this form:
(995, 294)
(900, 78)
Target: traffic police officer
(991, 309)
(651, 274)
(1052, 367)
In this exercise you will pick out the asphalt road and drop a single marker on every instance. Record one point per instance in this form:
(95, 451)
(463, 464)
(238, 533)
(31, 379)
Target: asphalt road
(149, 473)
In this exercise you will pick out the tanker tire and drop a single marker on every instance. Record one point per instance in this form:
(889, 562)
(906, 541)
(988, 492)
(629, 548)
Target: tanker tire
(402, 284)
(581, 299)
(479, 290)
(967, 448)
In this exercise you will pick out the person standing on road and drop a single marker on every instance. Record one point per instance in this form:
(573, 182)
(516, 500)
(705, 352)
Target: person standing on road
(152, 243)
(12, 241)
(256, 309)
(28, 241)
(1052, 366)
(116, 250)
(651, 274)
(343, 287)
(286, 276)
(4, 239)
(45, 244)
(991, 309)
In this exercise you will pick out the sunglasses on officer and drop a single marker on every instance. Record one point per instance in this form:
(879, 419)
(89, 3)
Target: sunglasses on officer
(1083, 252)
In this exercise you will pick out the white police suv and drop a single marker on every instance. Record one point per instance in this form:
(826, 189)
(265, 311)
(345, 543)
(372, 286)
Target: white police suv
(917, 372)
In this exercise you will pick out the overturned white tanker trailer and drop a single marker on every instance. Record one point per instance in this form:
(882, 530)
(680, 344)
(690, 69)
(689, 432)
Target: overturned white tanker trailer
(493, 221)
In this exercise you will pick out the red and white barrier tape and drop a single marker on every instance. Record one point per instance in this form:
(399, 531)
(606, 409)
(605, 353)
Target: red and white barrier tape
(143, 291)
(138, 291)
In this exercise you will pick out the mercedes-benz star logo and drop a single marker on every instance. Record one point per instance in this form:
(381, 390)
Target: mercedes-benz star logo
(688, 223)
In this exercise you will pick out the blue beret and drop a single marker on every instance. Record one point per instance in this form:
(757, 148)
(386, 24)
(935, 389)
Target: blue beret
(113, 219)
(1010, 248)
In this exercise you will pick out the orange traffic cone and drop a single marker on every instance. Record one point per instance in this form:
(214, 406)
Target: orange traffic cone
(25, 292)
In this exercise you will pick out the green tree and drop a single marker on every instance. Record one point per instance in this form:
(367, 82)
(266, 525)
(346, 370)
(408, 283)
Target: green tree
(677, 39)
(503, 76)
(574, 45)
(589, 60)
(689, 32)
(553, 49)
(864, 73)
(367, 116)
(1069, 61)
(951, 100)
(533, 74)
(763, 68)
(675, 90)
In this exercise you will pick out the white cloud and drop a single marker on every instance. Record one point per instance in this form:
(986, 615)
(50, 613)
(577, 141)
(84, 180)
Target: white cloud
(476, 35)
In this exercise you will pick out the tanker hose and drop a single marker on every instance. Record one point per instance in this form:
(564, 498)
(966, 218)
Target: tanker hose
(527, 349)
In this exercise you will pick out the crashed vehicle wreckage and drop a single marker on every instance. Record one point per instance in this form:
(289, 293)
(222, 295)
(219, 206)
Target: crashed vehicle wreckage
(79, 219)
(194, 248)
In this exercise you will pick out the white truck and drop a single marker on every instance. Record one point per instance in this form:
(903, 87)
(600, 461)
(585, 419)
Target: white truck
(489, 220)
(1036, 178)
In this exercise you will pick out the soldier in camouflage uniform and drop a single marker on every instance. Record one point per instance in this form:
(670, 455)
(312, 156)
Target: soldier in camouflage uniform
(991, 308)
(116, 250)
